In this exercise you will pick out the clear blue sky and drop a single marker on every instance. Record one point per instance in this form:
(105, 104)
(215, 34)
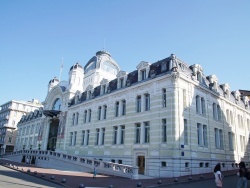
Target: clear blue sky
(35, 35)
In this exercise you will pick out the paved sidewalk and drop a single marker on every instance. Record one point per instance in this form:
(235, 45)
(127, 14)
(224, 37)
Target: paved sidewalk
(78, 179)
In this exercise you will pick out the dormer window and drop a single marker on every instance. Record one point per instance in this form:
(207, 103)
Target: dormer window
(213, 82)
(226, 90)
(163, 66)
(197, 72)
(104, 86)
(121, 79)
(121, 82)
(89, 95)
(77, 99)
(143, 70)
(237, 96)
(143, 74)
(103, 89)
(246, 101)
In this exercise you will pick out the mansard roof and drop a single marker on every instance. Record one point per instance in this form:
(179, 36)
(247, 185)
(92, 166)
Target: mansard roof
(32, 115)
(159, 68)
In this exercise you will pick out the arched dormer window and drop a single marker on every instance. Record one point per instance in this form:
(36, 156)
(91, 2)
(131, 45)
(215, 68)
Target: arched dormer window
(213, 82)
(104, 85)
(89, 90)
(143, 70)
(57, 104)
(197, 72)
(121, 79)
(226, 90)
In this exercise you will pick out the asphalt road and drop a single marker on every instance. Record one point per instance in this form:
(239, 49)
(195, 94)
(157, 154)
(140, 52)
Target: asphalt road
(228, 182)
(13, 179)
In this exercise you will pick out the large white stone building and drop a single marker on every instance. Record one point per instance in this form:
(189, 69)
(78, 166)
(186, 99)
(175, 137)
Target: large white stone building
(10, 114)
(166, 117)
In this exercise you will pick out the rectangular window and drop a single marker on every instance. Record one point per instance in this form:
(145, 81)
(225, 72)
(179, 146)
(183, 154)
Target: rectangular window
(103, 89)
(205, 143)
(143, 74)
(164, 130)
(202, 134)
(138, 104)
(124, 107)
(83, 137)
(221, 139)
(218, 134)
(242, 143)
(103, 135)
(203, 106)
(89, 94)
(99, 112)
(185, 132)
(184, 98)
(71, 139)
(104, 112)
(87, 139)
(117, 109)
(75, 134)
(164, 98)
(231, 140)
(85, 116)
(97, 136)
(122, 134)
(73, 119)
(147, 102)
(147, 132)
(115, 135)
(89, 115)
(121, 82)
(77, 116)
(137, 133)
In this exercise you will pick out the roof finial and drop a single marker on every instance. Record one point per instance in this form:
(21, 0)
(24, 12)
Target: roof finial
(104, 44)
(61, 69)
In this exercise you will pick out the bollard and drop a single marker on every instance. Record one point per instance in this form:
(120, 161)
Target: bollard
(81, 186)
(138, 184)
(63, 180)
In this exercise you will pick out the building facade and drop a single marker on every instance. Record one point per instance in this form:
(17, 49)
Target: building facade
(10, 114)
(167, 118)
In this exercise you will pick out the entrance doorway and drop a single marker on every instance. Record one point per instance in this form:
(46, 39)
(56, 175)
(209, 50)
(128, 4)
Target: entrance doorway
(53, 134)
(141, 164)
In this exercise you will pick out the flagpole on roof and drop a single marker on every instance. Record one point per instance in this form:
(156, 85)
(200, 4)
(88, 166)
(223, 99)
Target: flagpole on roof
(61, 69)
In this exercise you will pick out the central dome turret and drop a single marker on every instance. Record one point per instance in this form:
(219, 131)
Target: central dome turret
(102, 60)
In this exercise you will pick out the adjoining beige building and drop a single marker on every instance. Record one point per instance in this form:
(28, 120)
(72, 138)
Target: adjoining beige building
(167, 117)
(10, 114)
